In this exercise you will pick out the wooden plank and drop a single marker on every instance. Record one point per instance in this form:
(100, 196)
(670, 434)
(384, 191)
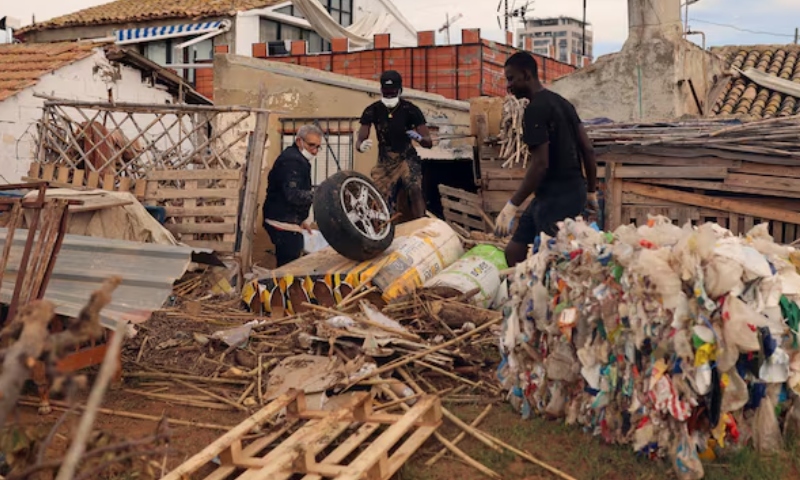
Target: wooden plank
(211, 211)
(462, 207)
(739, 206)
(720, 187)
(94, 180)
(613, 213)
(791, 233)
(630, 172)
(504, 185)
(204, 174)
(62, 174)
(377, 450)
(408, 448)
(340, 453)
(733, 223)
(777, 232)
(124, 184)
(232, 203)
(48, 172)
(35, 170)
(749, 223)
(254, 448)
(140, 190)
(252, 187)
(769, 170)
(108, 182)
(215, 448)
(78, 177)
(225, 247)
(281, 458)
(201, 227)
(464, 220)
(643, 159)
(764, 182)
(474, 198)
(640, 200)
(497, 173)
(178, 193)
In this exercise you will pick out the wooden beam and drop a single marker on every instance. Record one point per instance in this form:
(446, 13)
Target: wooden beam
(204, 174)
(720, 187)
(225, 441)
(630, 171)
(180, 193)
(743, 207)
(247, 223)
(613, 213)
(765, 182)
(772, 170)
(202, 227)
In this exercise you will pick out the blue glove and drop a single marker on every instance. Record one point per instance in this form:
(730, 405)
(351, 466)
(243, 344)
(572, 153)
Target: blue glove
(414, 135)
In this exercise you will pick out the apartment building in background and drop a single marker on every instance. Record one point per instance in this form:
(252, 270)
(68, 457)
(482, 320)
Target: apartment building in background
(560, 38)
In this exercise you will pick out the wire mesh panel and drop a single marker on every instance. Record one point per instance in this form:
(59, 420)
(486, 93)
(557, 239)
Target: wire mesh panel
(188, 159)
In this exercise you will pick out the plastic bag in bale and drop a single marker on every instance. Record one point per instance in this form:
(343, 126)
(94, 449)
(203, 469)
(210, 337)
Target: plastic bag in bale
(766, 430)
(685, 461)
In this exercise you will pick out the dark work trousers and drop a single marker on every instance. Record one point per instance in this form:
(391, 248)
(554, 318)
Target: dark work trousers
(288, 245)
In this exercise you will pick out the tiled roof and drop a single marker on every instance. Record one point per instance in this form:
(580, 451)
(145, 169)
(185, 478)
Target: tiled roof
(742, 97)
(21, 65)
(124, 11)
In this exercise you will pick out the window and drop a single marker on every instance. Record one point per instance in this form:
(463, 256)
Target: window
(341, 149)
(540, 43)
(269, 31)
(562, 33)
(340, 10)
(562, 57)
(159, 52)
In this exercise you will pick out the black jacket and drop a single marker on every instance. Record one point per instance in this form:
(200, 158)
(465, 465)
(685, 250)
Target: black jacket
(289, 191)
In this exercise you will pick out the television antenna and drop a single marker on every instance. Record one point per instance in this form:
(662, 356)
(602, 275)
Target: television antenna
(448, 22)
(511, 12)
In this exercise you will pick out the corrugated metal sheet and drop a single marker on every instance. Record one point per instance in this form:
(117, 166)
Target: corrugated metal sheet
(147, 270)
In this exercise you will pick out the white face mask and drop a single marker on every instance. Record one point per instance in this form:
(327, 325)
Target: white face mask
(308, 155)
(390, 102)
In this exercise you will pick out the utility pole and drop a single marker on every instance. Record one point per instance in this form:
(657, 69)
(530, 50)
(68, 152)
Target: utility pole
(797, 35)
(583, 34)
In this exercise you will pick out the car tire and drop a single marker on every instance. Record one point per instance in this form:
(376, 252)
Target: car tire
(353, 216)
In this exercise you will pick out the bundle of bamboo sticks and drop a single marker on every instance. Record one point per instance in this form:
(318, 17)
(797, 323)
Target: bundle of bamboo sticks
(512, 148)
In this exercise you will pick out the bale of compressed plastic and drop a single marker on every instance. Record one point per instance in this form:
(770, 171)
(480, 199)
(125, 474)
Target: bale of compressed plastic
(661, 337)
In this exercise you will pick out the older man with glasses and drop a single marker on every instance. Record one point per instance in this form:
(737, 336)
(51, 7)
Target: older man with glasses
(290, 193)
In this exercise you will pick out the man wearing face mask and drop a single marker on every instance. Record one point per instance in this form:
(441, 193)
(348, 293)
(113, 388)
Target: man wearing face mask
(290, 193)
(397, 122)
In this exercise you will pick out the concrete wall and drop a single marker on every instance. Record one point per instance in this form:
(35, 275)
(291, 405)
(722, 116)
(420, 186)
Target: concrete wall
(82, 80)
(651, 78)
(239, 81)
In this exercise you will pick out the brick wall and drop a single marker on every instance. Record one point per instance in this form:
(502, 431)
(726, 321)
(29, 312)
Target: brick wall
(471, 69)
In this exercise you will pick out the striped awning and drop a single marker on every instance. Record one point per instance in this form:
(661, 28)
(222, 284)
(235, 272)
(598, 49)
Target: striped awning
(151, 34)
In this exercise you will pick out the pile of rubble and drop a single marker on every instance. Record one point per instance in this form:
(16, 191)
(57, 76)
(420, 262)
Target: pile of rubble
(674, 340)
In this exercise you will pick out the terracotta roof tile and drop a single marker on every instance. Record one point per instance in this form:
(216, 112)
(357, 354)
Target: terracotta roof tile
(124, 11)
(21, 65)
(742, 97)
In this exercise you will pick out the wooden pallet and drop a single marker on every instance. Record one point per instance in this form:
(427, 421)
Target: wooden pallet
(68, 177)
(202, 206)
(463, 208)
(286, 451)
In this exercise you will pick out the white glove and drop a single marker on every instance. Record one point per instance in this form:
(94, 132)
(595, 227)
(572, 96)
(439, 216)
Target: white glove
(414, 135)
(505, 221)
(365, 146)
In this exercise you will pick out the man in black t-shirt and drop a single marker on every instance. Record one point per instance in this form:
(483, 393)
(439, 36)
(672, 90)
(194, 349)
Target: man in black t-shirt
(560, 153)
(397, 122)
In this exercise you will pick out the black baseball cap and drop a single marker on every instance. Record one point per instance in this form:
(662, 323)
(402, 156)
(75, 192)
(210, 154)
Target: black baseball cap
(391, 80)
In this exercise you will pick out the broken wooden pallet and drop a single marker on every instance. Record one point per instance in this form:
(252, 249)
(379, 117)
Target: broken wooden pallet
(64, 176)
(202, 206)
(463, 208)
(297, 453)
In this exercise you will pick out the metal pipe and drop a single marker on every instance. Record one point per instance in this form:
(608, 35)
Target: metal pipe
(697, 32)
(583, 34)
